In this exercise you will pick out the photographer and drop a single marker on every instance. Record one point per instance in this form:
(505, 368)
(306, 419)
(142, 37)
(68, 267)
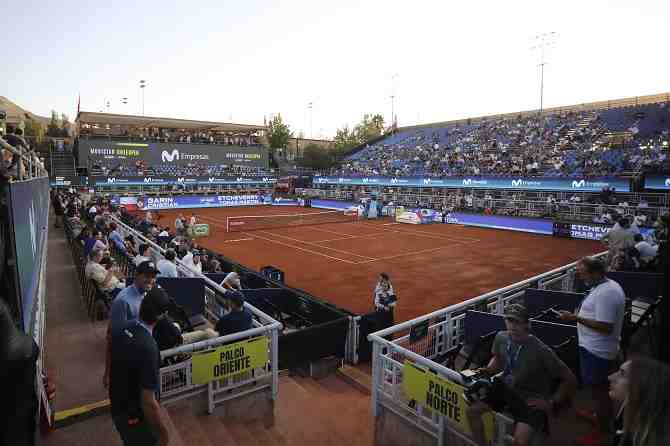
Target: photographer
(529, 370)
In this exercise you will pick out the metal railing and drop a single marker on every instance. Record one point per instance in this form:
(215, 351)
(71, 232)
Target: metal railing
(33, 167)
(176, 379)
(391, 347)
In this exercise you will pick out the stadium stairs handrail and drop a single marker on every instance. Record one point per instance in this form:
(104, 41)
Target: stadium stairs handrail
(35, 167)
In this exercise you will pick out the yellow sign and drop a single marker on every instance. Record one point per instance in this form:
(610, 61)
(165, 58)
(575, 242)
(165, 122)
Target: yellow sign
(441, 395)
(228, 360)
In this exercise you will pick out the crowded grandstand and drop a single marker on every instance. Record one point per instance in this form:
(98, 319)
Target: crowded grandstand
(177, 277)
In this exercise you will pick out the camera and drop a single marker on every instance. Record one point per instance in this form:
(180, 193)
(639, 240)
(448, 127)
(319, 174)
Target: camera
(3, 115)
(481, 388)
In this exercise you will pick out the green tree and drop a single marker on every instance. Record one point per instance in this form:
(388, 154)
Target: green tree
(316, 157)
(278, 133)
(54, 126)
(344, 140)
(34, 130)
(370, 127)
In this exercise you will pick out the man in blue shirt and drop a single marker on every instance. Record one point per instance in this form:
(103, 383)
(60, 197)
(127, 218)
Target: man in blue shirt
(115, 237)
(126, 305)
(134, 383)
(239, 318)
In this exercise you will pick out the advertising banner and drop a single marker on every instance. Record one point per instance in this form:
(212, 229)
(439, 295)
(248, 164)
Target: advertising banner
(229, 360)
(590, 231)
(576, 184)
(173, 181)
(442, 396)
(660, 182)
(200, 201)
(92, 151)
(67, 181)
(29, 215)
(534, 225)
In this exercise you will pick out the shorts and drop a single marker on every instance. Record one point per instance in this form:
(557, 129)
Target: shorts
(594, 369)
(135, 431)
(504, 399)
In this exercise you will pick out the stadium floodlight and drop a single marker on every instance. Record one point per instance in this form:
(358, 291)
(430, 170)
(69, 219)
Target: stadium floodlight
(310, 107)
(143, 84)
(393, 99)
(542, 43)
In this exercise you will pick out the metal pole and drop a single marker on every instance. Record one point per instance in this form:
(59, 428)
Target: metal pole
(542, 83)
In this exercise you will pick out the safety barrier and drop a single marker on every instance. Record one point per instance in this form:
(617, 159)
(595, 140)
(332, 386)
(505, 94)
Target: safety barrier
(391, 347)
(177, 379)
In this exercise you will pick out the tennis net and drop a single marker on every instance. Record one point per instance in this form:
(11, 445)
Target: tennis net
(260, 222)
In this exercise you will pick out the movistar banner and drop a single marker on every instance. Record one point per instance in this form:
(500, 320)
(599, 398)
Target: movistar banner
(657, 182)
(99, 151)
(136, 181)
(524, 183)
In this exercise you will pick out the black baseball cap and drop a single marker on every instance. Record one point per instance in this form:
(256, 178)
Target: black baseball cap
(154, 304)
(146, 267)
(236, 297)
(516, 312)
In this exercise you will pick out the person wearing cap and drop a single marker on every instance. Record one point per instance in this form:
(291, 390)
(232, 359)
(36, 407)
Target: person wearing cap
(528, 370)
(239, 318)
(126, 305)
(599, 322)
(134, 381)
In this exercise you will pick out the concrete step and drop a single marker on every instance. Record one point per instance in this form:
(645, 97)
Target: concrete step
(357, 378)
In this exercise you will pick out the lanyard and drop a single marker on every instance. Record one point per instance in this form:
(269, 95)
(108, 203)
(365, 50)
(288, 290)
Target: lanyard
(511, 362)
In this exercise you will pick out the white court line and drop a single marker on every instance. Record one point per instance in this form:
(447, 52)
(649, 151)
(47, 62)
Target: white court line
(314, 244)
(404, 254)
(417, 233)
(390, 224)
(216, 222)
(351, 237)
(303, 249)
(237, 240)
(433, 236)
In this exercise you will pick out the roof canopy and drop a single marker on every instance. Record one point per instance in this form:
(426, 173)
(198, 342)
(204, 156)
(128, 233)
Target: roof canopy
(167, 123)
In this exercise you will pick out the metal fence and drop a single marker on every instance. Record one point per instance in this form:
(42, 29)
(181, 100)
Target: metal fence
(176, 379)
(391, 347)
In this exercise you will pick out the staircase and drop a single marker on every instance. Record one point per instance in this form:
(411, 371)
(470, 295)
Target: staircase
(62, 163)
(325, 412)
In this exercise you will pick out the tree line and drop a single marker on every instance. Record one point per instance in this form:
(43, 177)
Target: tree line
(314, 156)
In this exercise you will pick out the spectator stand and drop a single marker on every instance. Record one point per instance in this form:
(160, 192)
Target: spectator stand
(448, 330)
(177, 380)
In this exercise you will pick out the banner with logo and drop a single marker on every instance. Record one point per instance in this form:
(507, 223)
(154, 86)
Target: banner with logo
(172, 181)
(661, 182)
(200, 201)
(229, 360)
(67, 181)
(590, 231)
(29, 214)
(534, 225)
(522, 183)
(442, 396)
(92, 151)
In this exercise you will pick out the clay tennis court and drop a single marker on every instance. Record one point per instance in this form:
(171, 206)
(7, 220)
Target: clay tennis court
(431, 266)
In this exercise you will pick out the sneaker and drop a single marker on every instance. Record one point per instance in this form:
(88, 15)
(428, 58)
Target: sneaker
(593, 438)
(588, 415)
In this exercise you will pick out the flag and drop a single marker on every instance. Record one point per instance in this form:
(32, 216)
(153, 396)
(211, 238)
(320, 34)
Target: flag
(78, 103)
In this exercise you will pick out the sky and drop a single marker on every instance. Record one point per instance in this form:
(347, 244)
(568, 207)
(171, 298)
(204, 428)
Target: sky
(241, 61)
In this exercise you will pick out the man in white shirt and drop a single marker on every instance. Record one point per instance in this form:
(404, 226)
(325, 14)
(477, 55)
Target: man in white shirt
(166, 267)
(599, 321)
(232, 281)
(647, 250)
(104, 277)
